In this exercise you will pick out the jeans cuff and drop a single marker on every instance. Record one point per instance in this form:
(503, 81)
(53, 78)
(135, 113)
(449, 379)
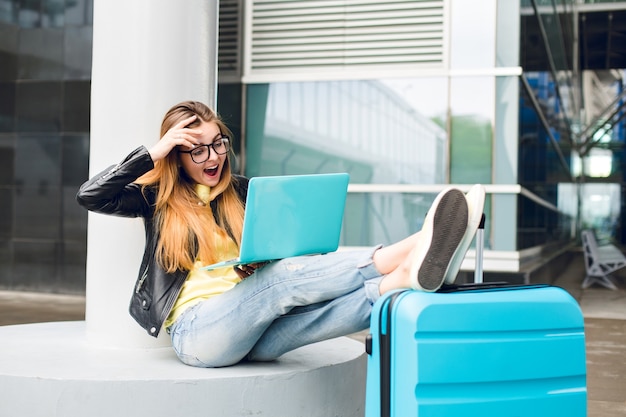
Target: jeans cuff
(372, 277)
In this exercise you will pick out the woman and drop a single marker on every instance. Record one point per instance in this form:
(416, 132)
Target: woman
(193, 206)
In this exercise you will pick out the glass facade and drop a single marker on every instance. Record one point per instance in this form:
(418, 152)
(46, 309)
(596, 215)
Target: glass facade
(462, 122)
(45, 55)
(368, 128)
(576, 144)
(385, 131)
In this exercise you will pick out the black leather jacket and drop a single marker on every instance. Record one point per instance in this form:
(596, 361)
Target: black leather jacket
(113, 192)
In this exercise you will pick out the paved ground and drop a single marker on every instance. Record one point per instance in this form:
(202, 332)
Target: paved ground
(605, 328)
(605, 332)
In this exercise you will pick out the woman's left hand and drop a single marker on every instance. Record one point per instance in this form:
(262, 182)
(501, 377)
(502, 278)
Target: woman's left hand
(244, 271)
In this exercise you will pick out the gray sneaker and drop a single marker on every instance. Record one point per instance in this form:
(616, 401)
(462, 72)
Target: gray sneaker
(444, 228)
(475, 205)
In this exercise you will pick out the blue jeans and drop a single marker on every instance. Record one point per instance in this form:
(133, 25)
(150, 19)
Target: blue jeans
(282, 306)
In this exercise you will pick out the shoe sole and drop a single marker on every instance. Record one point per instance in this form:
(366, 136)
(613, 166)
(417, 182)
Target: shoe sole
(444, 227)
(475, 205)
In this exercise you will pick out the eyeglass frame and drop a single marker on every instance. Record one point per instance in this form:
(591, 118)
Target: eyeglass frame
(223, 138)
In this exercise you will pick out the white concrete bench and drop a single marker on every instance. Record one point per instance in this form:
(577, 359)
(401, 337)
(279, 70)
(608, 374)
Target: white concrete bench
(600, 261)
(49, 369)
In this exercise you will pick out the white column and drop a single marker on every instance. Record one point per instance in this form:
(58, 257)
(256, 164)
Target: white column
(147, 56)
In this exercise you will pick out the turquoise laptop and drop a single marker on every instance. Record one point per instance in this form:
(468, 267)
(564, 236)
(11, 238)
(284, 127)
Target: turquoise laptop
(291, 215)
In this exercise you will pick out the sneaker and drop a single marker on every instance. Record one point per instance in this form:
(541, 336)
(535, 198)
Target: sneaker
(475, 205)
(443, 230)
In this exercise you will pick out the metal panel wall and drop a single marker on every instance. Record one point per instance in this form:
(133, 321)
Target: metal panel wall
(309, 36)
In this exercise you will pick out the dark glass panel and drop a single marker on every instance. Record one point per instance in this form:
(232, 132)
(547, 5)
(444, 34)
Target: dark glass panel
(7, 160)
(38, 188)
(76, 106)
(37, 212)
(29, 13)
(229, 109)
(53, 13)
(6, 263)
(35, 265)
(41, 54)
(39, 106)
(9, 36)
(7, 107)
(8, 12)
(75, 165)
(38, 160)
(77, 53)
(74, 220)
(79, 13)
(6, 212)
(73, 262)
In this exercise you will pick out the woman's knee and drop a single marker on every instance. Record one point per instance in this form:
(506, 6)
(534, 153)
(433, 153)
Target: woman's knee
(196, 351)
(203, 359)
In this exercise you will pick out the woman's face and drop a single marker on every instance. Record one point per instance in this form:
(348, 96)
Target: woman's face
(208, 172)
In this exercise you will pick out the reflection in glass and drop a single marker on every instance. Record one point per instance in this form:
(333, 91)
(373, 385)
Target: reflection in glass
(44, 127)
(383, 218)
(600, 209)
(598, 164)
(8, 11)
(544, 155)
(366, 128)
(378, 131)
(472, 106)
(599, 206)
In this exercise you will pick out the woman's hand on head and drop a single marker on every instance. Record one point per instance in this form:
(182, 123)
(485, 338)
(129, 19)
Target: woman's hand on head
(179, 135)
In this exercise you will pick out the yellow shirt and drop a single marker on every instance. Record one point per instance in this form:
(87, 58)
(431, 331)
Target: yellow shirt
(201, 284)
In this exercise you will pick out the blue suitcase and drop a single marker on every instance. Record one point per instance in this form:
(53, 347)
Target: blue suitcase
(483, 349)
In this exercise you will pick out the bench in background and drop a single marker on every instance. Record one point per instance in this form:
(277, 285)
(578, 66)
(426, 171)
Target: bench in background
(600, 261)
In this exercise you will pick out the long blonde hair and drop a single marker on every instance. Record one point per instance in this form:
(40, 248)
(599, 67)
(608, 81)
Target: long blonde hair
(188, 230)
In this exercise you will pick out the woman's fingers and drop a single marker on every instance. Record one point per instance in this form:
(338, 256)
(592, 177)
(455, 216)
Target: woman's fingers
(183, 123)
(244, 271)
(241, 274)
(179, 135)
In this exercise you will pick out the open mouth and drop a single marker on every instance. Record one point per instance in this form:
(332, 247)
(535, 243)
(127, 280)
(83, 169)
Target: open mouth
(211, 171)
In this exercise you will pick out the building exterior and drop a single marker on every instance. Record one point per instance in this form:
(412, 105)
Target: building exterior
(45, 70)
(405, 96)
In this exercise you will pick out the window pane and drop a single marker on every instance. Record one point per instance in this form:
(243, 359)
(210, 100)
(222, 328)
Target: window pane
(378, 131)
(472, 108)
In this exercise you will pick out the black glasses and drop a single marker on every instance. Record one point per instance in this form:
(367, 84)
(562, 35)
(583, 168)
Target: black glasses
(201, 153)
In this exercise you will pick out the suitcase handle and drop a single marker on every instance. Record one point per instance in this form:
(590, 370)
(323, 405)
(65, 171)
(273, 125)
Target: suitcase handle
(480, 247)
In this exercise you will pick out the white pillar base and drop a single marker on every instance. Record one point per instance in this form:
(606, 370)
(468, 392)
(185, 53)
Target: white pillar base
(49, 369)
